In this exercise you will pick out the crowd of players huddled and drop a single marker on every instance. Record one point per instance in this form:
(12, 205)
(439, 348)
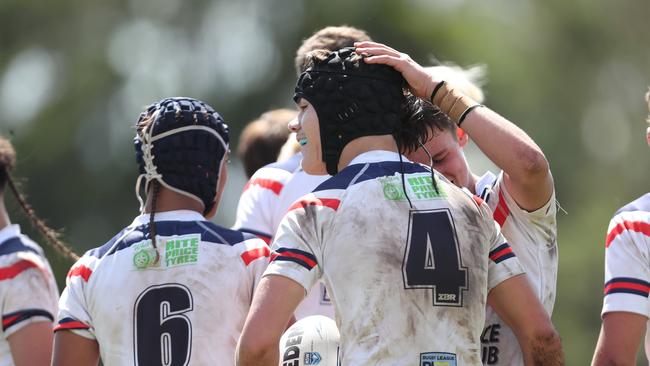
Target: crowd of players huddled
(362, 237)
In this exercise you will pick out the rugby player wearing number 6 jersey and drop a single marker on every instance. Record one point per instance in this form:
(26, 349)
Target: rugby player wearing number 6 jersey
(410, 259)
(182, 297)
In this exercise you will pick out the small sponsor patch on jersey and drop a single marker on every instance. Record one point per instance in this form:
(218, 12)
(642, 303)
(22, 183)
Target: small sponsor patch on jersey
(144, 255)
(175, 251)
(437, 359)
(419, 187)
(180, 250)
(312, 358)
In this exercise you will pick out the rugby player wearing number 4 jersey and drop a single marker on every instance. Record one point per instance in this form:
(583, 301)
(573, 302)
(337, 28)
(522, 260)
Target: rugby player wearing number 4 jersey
(410, 259)
(521, 198)
(626, 307)
(183, 297)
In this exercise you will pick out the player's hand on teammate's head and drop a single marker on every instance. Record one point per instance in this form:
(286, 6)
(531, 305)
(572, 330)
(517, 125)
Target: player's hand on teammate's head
(420, 82)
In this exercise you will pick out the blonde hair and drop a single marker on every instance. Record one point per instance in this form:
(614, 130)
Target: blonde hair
(469, 80)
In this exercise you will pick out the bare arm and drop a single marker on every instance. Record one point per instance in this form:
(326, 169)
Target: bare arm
(620, 338)
(515, 302)
(527, 175)
(32, 345)
(274, 302)
(528, 178)
(72, 349)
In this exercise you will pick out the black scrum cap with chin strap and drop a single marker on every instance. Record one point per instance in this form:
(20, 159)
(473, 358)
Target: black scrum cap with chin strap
(183, 148)
(352, 99)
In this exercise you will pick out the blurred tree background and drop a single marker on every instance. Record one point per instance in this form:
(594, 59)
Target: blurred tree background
(74, 76)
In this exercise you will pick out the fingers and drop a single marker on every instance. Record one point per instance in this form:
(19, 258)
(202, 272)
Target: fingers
(372, 51)
(384, 59)
(368, 44)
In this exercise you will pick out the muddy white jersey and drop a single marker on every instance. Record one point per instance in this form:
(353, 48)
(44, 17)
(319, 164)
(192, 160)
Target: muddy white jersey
(627, 260)
(298, 185)
(533, 237)
(409, 284)
(265, 200)
(28, 292)
(187, 307)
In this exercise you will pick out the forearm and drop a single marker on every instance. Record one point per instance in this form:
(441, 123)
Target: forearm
(257, 357)
(544, 349)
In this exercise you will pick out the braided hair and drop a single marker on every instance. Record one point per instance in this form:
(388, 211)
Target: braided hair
(7, 164)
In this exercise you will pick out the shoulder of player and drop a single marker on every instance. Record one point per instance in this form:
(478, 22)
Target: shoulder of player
(19, 244)
(359, 173)
(641, 204)
(270, 177)
(19, 254)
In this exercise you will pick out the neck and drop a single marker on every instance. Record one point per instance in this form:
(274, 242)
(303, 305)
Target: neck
(168, 200)
(4, 216)
(363, 144)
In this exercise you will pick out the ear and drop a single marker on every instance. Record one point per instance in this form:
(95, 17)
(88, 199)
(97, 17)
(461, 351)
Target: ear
(463, 138)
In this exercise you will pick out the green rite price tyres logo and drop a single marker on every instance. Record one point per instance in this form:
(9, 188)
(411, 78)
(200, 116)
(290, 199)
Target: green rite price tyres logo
(420, 187)
(177, 250)
(144, 255)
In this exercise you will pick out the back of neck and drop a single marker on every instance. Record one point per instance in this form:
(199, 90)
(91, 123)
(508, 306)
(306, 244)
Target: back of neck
(364, 144)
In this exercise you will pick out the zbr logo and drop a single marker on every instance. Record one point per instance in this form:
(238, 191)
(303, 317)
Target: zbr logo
(437, 359)
(312, 358)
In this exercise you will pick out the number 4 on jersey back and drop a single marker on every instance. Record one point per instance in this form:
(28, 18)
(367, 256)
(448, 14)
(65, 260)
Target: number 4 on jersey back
(432, 257)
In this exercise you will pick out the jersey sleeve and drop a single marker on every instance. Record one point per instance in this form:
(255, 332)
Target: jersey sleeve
(258, 201)
(255, 256)
(296, 249)
(543, 219)
(627, 264)
(74, 314)
(503, 262)
(30, 296)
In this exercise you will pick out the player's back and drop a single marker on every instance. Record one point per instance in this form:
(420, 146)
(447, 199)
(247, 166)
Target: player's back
(409, 285)
(189, 307)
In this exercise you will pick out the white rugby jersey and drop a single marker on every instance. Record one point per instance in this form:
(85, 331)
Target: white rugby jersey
(189, 308)
(28, 291)
(265, 200)
(627, 260)
(299, 184)
(409, 286)
(259, 199)
(533, 237)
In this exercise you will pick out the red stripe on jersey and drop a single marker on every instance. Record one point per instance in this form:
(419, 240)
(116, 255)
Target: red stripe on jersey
(502, 211)
(627, 285)
(299, 256)
(271, 184)
(10, 320)
(637, 226)
(82, 271)
(267, 239)
(253, 254)
(313, 201)
(9, 272)
(71, 325)
(500, 253)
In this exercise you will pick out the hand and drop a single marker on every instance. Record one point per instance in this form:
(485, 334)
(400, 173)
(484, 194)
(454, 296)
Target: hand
(420, 82)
